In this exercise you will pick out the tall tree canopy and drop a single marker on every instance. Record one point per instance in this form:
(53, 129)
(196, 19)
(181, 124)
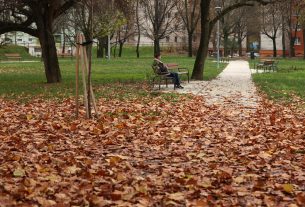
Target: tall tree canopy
(36, 17)
(271, 23)
(208, 20)
(190, 15)
(160, 20)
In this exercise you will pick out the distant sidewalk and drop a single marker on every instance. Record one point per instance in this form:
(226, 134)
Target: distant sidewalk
(21, 61)
(233, 86)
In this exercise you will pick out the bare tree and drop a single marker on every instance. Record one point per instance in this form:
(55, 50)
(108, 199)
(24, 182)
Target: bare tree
(107, 16)
(160, 21)
(107, 23)
(36, 17)
(302, 23)
(240, 28)
(138, 20)
(190, 14)
(271, 23)
(123, 34)
(228, 25)
(291, 14)
(207, 24)
(125, 28)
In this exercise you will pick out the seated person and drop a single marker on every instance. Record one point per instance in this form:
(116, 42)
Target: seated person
(163, 69)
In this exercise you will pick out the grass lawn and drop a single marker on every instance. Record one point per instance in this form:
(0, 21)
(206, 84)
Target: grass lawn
(28, 79)
(22, 51)
(284, 84)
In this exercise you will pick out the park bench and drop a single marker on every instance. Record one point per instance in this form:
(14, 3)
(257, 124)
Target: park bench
(181, 71)
(162, 76)
(12, 56)
(267, 66)
(65, 55)
(225, 59)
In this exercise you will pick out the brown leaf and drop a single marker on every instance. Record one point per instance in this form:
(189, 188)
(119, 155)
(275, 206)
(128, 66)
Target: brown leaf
(176, 196)
(301, 199)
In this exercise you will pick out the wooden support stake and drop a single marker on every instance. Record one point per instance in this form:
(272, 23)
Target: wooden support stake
(77, 75)
(84, 77)
(90, 85)
(82, 60)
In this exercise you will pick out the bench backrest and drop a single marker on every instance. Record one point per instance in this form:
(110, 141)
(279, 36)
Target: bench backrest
(64, 54)
(269, 62)
(156, 69)
(12, 54)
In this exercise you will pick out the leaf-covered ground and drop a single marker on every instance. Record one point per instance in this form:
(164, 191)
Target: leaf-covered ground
(151, 152)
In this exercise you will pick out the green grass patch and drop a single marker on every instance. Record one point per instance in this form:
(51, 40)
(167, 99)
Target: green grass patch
(22, 51)
(283, 85)
(116, 78)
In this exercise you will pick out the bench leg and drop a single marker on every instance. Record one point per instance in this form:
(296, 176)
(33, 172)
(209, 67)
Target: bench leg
(153, 82)
(159, 83)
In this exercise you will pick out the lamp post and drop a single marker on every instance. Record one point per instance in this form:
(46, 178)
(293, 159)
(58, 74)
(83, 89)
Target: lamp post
(218, 8)
(109, 47)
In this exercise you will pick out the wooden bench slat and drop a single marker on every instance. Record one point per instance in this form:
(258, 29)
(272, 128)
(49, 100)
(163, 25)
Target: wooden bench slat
(163, 76)
(13, 56)
(267, 65)
(63, 55)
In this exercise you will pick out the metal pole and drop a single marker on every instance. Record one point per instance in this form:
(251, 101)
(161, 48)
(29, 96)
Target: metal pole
(218, 42)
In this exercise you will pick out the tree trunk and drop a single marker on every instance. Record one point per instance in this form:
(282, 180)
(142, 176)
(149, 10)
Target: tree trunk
(138, 46)
(283, 38)
(138, 28)
(200, 60)
(121, 48)
(114, 50)
(64, 43)
(284, 44)
(225, 44)
(204, 41)
(303, 43)
(88, 39)
(233, 49)
(190, 44)
(157, 47)
(291, 46)
(49, 53)
(100, 48)
(274, 47)
(214, 42)
(240, 47)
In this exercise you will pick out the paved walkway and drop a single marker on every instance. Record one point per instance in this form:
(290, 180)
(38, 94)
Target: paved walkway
(233, 86)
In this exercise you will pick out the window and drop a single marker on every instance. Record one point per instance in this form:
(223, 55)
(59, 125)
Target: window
(297, 41)
(19, 40)
(296, 26)
(167, 39)
(30, 39)
(176, 39)
(37, 49)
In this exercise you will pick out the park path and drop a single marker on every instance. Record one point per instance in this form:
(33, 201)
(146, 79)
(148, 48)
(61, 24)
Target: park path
(233, 87)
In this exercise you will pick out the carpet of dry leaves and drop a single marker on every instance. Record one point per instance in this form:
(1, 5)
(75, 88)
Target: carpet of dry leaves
(151, 152)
